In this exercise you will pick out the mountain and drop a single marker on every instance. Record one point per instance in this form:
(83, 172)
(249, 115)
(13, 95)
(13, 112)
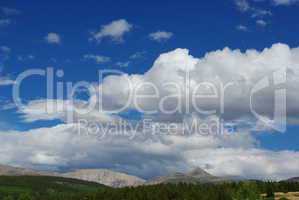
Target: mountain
(101, 176)
(295, 179)
(197, 175)
(105, 177)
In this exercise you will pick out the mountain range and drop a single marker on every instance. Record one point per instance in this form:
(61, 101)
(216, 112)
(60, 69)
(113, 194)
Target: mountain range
(197, 175)
(118, 180)
(105, 177)
(102, 176)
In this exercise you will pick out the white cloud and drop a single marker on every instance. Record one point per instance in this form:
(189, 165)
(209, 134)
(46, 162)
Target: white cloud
(242, 69)
(51, 109)
(53, 38)
(97, 58)
(115, 30)
(62, 147)
(149, 154)
(261, 22)
(137, 55)
(260, 13)
(123, 64)
(5, 22)
(26, 57)
(285, 2)
(242, 5)
(9, 11)
(253, 163)
(245, 7)
(160, 36)
(242, 28)
(5, 49)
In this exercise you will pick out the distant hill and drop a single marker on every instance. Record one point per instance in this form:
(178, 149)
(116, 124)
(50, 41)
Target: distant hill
(197, 175)
(119, 180)
(106, 177)
(101, 176)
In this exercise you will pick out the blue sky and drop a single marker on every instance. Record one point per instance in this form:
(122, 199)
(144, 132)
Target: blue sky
(71, 36)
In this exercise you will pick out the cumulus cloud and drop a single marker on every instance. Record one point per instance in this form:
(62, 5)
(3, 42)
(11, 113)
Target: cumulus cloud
(149, 154)
(97, 58)
(252, 163)
(115, 30)
(51, 109)
(61, 147)
(53, 38)
(241, 70)
(160, 36)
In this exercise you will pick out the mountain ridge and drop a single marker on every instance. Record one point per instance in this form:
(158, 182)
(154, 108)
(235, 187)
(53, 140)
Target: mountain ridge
(195, 176)
(106, 177)
(118, 179)
(101, 176)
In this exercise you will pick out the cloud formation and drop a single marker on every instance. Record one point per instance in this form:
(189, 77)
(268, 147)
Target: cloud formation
(61, 147)
(10, 11)
(285, 2)
(242, 28)
(242, 70)
(160, 36)
(261, 23)
(147, 154)
(53, 38)
(242, 5)
(97, 58)
(115, 31)
(123, 64)
(5, 22)
(5, 49)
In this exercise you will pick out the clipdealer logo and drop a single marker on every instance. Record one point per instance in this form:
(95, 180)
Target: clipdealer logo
(276, 80)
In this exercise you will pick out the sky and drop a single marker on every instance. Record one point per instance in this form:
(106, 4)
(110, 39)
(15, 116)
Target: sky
(247, 49)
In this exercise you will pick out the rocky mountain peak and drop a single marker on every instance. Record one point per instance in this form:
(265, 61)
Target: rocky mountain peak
(198, 173)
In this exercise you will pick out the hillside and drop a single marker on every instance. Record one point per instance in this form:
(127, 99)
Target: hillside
(45, 187)
(101, 176)
(197, 175)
